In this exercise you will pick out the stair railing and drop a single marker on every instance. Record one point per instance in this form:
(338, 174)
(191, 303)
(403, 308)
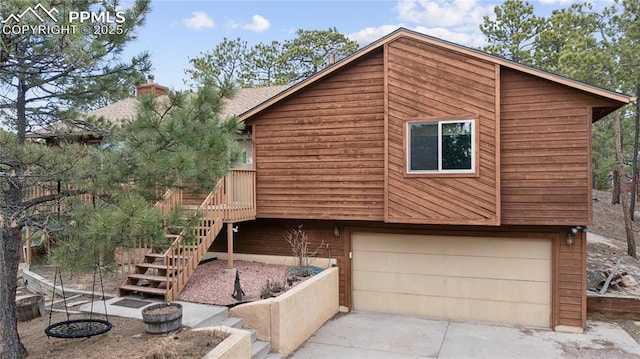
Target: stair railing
(183, 257)
(129, 257)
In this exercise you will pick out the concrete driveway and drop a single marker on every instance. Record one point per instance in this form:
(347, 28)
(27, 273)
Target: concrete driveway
(371, 336)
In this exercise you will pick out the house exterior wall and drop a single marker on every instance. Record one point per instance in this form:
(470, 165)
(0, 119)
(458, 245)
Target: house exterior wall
(545, 149)
(426, 82)
(266, 236)
(334, 153)
(319, 153)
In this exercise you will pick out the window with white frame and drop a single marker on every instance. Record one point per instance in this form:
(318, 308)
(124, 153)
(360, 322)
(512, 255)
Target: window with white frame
(441, 146)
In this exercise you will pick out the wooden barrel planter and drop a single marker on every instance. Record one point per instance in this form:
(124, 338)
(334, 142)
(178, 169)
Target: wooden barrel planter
(29, 308)
(162, 318)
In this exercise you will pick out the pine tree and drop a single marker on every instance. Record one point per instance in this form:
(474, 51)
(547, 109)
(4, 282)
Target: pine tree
(48, 77)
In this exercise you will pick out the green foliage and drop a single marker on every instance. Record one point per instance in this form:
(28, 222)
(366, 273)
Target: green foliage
(514, 31)
(266, 66)
(54, 76)
(270, 64)
(226, 61)
(91, 232)
(597, 47)
(175, 142)
(46, 78)
(310, 51)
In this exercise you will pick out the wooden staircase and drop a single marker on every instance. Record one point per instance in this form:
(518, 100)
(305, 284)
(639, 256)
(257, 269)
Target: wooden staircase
(164, 274)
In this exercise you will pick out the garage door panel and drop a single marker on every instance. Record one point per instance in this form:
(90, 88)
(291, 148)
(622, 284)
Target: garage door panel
(399, 303)
(500, 290)
(457, 266)
(503, 280)
(442, 307)
(473, 288)
(398, 283)
(382, 242)
(509, 247)
(511, 312)
(498, 268)
(453, 245)
(399, 262)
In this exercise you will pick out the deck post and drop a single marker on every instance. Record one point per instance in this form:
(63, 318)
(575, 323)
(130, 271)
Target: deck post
(230, 245)
(27, 251)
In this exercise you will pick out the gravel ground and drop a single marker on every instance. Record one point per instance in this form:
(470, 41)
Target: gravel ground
(212, 284)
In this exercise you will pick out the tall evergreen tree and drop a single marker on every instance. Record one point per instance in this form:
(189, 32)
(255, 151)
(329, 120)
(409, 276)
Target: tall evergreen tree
(595, 47)
(47, 77)
(514, 32)
(274, 63)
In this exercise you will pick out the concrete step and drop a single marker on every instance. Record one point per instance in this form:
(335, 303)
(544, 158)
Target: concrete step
(254, 333)
(214, 320)
(259, 349)
(274, 356)
(233, 322)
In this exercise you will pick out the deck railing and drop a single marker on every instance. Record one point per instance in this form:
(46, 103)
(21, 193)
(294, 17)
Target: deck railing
(239, 195)
(183, 256)
(232, 200)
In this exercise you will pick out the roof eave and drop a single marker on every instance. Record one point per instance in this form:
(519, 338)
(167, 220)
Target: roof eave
(618, 97)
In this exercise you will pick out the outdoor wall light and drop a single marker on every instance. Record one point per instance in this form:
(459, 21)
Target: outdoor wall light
(570, 238)
(572, 234)
(336, 231)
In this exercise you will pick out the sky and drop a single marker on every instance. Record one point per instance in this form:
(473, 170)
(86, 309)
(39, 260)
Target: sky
(176, 31)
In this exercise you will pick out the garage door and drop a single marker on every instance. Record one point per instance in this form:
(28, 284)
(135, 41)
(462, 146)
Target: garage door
(502, 280)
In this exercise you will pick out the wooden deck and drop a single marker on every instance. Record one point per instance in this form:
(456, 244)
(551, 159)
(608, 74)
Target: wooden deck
(165, 273)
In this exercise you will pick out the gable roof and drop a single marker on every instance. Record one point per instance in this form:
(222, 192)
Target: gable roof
(622, 99)
(127, 109)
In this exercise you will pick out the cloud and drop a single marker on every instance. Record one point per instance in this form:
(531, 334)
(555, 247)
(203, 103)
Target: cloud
(199, 20)
(443, 13)
(467, 38)
(258, 24)
(371, 34)
(471, 39)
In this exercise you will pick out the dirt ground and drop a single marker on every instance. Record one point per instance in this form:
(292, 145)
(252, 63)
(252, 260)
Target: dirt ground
(126, 339)
(602, 253)
(210, 284)
(608, 220)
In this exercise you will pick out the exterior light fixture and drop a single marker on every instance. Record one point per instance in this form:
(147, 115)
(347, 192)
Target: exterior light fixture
(336, 231)
(572, 234)
(570, 238)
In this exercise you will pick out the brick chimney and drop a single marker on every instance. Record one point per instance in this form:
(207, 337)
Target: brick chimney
(151, 87)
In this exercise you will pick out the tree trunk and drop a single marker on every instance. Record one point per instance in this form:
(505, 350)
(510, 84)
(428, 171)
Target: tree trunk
(615, 195)
(11, 238)
(628, 226)
(10, 245)
(634, 185)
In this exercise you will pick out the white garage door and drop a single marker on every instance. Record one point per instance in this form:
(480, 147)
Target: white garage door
(500, 280)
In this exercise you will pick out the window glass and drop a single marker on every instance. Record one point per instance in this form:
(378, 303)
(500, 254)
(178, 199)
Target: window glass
(445, 146)
(456, 146)
(424, 146)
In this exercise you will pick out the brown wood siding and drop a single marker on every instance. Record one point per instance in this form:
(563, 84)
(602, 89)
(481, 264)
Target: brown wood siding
(570, 266)
(319, 153)
(545, 151)
(265, 236)
(425, 82)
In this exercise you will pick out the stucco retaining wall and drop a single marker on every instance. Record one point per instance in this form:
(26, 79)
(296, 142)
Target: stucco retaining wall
(291, 318)
(236, 343)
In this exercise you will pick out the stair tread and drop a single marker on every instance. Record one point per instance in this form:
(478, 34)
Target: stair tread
(259, 349)
(138, 288)
(152, 265)
(149, 277)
